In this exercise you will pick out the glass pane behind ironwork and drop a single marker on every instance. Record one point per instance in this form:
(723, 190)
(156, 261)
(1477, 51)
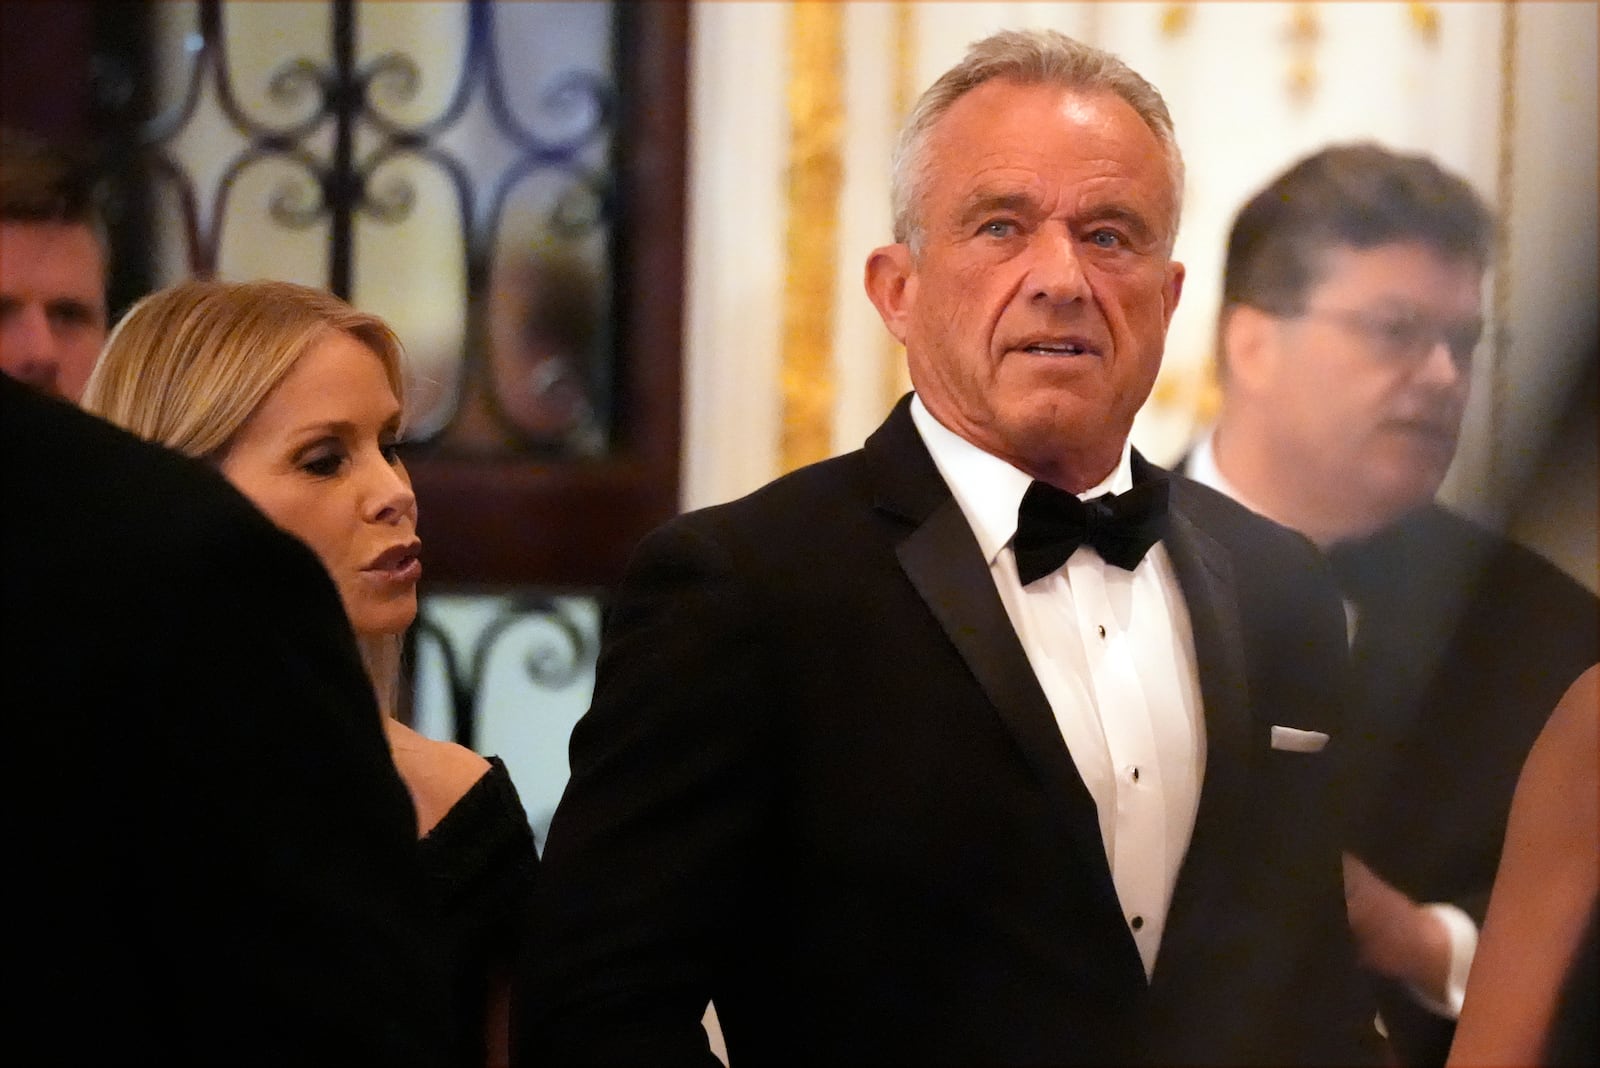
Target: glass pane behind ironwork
(509, 674)
(447, 165)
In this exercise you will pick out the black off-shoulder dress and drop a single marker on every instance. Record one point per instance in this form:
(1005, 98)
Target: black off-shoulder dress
(480, 864)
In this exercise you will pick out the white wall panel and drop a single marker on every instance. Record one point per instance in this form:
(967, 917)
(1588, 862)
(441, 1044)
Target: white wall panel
(738, 130)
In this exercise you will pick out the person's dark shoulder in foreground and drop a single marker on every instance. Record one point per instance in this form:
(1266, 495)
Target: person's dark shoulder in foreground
(216, 859)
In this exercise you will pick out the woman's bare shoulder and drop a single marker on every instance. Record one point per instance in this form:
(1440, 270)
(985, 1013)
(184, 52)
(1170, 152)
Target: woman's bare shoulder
(437, 774)
(1566, 750)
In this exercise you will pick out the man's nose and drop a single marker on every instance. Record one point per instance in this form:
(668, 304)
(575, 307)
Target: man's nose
(1442, 368)
(1055, 273)
(28, 348)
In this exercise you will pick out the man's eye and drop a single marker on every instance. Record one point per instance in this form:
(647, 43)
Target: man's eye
(1402, 333)
(998, 228)
(1463, 341)
(1104, 238)
(71, 314)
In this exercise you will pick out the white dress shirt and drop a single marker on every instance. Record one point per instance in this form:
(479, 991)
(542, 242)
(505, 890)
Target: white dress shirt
(1463, 933)
(1114, 654)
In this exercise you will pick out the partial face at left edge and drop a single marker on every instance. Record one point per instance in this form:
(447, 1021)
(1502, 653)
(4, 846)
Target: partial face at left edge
(52, 304)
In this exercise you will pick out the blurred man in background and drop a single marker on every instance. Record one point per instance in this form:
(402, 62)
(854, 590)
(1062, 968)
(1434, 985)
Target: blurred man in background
(52, 267)
(1351, 310)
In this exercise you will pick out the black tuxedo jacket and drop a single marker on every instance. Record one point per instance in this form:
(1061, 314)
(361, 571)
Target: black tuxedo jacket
(1465, 643)
(820, 785)
(211, 856)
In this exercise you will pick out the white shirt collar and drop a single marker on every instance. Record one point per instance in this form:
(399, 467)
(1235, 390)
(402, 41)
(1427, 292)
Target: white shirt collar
(1202, 467)
(988, 489)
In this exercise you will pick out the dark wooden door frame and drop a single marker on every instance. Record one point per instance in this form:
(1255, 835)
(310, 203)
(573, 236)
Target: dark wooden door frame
(571, 523)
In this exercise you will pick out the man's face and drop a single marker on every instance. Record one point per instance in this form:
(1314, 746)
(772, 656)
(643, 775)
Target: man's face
(1365, 392)
(52, 304)
(1035, 314)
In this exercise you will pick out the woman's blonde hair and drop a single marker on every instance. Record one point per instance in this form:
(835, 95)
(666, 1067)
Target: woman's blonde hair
(188, 365)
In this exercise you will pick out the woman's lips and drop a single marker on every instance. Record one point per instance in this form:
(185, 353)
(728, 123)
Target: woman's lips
(400, 564)
(404, 574)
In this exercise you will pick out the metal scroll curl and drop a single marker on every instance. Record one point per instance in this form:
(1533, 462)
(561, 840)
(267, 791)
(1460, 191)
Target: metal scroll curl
(550, 643)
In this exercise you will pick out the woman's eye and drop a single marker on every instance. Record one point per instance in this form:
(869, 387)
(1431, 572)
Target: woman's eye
(391, 451)
(322, 465)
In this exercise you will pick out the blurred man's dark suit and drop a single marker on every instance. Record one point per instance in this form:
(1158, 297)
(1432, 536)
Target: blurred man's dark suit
(1464, 642)
(212, 856)
(820, 784)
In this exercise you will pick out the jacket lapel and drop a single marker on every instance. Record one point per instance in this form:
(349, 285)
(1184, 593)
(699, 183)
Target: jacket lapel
(944, 563)
(1206, 578)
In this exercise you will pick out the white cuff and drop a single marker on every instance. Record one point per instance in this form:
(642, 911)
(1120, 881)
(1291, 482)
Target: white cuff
(1463, 935)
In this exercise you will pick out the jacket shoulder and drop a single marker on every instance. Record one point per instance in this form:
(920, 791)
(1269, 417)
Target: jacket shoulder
(1232, 523)
(810, 509)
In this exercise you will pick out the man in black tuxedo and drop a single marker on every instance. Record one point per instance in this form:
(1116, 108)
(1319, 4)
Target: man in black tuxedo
(1351, 310)
(891, 786)
(212, 856)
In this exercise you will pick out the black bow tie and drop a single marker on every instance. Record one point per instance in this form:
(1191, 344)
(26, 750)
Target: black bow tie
(1121, 527)
(1362, 570)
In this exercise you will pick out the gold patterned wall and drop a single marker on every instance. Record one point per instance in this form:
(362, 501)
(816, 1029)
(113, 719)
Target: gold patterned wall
(815, 174)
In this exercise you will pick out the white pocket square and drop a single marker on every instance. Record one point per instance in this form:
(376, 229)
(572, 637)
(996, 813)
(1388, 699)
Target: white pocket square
(1294, 740)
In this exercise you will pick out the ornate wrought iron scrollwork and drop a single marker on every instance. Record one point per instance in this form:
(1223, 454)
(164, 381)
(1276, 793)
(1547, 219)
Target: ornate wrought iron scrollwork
(391, 74)
(297, 80)
(288, 206)
(329, 103)
(560, 652)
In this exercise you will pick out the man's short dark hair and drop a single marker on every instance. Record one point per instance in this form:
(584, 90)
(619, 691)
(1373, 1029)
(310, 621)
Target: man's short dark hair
(1358, 196)
(45, 183)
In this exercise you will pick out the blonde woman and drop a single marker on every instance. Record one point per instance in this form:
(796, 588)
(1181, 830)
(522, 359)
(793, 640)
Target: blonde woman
(297, 399)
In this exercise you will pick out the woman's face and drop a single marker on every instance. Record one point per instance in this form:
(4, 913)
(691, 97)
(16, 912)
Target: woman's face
(318, 458)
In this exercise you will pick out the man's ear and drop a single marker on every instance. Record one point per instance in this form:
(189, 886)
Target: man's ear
(1171, 290)
(1249, 346)
(892, 287)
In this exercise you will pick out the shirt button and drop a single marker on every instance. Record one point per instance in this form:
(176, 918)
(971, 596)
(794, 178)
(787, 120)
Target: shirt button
(1101, 630)
(1137, 922)
(1135, 774)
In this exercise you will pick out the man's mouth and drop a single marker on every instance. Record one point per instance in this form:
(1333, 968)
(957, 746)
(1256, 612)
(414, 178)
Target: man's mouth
(1429, 427)
(1435, 436)
(1067, 346)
